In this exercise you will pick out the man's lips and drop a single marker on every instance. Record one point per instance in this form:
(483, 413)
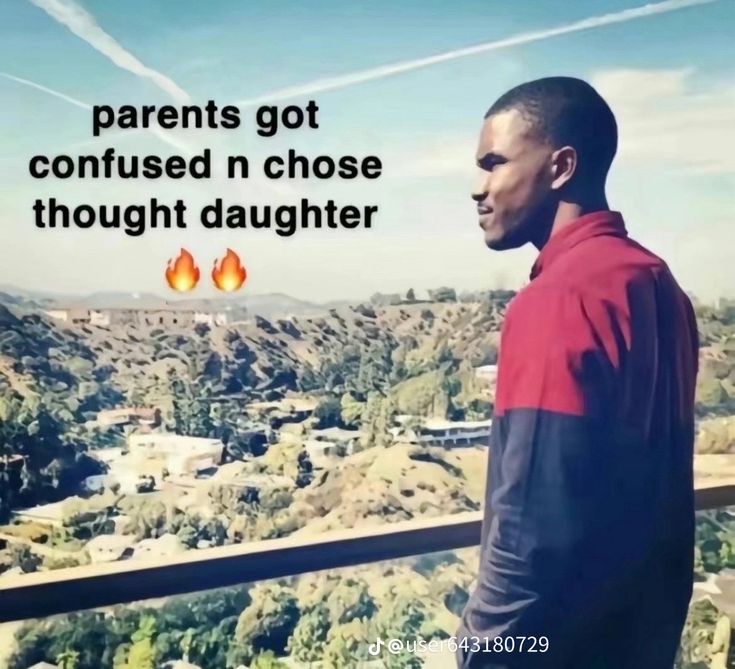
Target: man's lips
(484, 214)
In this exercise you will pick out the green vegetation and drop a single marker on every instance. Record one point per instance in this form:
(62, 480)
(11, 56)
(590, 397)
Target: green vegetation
(321, 616)
(365, 365)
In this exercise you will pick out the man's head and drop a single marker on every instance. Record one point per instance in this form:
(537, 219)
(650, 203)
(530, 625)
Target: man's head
(543, 142)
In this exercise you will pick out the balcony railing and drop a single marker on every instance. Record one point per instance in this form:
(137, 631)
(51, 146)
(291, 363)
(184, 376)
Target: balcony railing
(47, 593)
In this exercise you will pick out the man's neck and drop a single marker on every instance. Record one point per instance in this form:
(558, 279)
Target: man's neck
(568, 212)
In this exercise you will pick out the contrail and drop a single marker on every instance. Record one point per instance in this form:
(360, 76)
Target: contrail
(333, 83)
(164, 136)
(45, 89)
(83, 25)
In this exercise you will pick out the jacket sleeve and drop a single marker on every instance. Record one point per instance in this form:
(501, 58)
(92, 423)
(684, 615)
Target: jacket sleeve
(558, 547)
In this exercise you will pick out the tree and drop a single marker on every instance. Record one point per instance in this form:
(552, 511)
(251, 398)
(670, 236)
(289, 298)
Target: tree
(351, 410)
(328, 412)
(410, 295)
(349, 600)
(388, 411)
(120, 659)
(443, 294)
(186, 644)
(267, 660)
(269, 620)
(347, 645)
(305, 469)
(698, 639)
(22, 556)
(68, 659)
(309, 636)
(191, 408)
(142, 654)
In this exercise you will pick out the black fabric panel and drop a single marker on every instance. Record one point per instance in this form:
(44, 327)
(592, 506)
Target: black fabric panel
(588, 540)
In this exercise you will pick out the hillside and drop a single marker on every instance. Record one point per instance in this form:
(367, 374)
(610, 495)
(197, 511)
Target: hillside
(374, 361)
(364, 364)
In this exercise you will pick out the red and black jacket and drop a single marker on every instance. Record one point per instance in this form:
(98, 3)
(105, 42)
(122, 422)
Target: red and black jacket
(589, 516)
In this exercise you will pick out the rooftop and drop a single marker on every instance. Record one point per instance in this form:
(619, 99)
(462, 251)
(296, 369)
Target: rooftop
(286, 404)
(174, 442)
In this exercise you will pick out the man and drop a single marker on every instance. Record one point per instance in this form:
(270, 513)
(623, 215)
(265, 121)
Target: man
(587, 540)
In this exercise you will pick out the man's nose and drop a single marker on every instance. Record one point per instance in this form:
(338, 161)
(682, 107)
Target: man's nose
(480, 191)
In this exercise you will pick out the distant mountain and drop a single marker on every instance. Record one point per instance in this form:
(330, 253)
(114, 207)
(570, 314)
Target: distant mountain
(280, 305)
(118, 300)
(20, 296)
(15, 300)
(268, 305)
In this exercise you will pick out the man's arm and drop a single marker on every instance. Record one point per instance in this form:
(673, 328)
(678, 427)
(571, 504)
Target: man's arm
(559, 548)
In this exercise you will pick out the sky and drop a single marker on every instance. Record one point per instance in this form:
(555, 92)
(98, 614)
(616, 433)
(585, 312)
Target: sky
(399, 80)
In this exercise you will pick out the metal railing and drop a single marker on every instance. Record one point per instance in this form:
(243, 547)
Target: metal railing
(47, 593)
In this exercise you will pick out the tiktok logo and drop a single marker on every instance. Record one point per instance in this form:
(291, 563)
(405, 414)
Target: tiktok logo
(375, 648)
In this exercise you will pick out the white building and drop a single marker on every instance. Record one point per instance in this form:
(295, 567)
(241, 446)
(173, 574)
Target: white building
(99, 317)
(211, 319)
(153, 314)
(141, 415)
(167, 545)
(487, 373)
(321, 453)
(108, 547)
(58, 314)
(45, 514)
(179, 454)
(447, 433)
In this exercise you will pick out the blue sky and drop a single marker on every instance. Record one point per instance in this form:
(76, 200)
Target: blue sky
(668, 76)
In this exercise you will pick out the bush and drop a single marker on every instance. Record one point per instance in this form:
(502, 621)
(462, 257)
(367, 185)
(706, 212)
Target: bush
(328, 413)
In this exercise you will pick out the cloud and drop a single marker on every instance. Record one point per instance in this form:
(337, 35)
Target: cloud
(84, 25)
(666, 120)
(334, 83)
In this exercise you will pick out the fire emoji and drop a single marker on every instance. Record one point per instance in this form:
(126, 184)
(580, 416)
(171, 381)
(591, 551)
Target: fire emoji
(184, 274)
(231, 274)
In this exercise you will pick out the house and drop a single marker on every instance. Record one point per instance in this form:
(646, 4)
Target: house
(43, 665)
(337, 435)
(108, 547)
(151, 313)
(287, 410)
(179, 454)
(167, 545)
(439, 432)
(45, 514)
(321, 453)
(77, 315)
(126, 416)
(211, 319)
(487, 373)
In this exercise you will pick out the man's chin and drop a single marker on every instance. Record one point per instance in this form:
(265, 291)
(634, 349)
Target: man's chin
(499, 242)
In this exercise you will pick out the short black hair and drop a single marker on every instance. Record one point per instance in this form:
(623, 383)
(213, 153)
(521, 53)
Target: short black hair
(567, 112)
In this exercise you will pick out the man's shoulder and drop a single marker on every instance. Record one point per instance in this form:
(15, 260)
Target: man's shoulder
(579, 304)
(604, 270)
(609, 258)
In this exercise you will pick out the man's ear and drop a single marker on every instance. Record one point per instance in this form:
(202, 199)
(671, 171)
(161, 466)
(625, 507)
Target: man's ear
(563, 166)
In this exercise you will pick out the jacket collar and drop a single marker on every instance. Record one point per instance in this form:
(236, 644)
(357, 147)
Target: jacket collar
(585, 227)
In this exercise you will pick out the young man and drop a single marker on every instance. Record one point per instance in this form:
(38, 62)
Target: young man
(587, 542)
